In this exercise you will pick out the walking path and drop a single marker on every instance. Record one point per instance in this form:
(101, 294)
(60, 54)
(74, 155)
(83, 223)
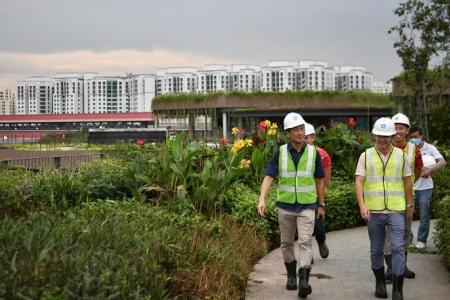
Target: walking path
(346, 273)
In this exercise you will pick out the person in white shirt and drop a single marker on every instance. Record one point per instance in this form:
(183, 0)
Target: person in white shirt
(433, 161)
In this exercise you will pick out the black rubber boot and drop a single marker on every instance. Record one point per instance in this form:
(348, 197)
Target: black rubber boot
(291, 269)
(397, 287)
(323, 249)
(408, 273)
(380, 286)
(304, 289)
(388, 275)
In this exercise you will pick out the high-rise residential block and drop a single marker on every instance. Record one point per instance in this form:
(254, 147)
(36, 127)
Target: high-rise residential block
(7, 102)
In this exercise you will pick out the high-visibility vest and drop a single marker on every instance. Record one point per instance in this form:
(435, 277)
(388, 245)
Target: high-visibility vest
(383, 185)
(297, 185)
(410, 157)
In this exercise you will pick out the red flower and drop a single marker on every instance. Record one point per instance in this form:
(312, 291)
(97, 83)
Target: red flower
(262, 126)
(140, 142)
(223, 141)
(351, 122)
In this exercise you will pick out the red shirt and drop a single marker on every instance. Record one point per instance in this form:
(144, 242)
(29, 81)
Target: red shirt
(418, 163)
(326, 159)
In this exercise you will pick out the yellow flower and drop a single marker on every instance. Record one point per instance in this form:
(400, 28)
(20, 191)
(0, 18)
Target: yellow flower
(267, 123)
(238, 145)
(249, 142)
(274, 126)
(245, 163)
(272, 132)
(235, 131)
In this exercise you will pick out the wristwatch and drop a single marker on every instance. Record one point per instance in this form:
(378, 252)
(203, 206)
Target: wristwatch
(410, 206)
(321, 205)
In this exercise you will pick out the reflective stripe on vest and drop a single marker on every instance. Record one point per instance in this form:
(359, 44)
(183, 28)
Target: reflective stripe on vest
(410, 158)
(383, 186)
(297, 185)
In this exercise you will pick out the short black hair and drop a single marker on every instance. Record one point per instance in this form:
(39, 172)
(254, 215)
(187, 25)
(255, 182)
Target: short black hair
(416, 129)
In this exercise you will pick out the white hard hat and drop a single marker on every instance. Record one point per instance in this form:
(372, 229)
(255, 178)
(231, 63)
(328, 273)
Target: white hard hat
(293, 120)
(428, 161)
(401, 119)
(384, 127)
(309, 129)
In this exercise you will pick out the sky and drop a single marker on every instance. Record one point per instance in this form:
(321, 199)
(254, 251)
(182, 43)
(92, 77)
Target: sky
(114, 37)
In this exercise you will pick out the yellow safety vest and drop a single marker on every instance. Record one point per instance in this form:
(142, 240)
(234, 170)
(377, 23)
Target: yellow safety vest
(297, 185)
(383, 185)
(410, 158)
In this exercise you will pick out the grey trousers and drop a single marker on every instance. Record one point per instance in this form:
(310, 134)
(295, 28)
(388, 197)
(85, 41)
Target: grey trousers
(289, 223)
(407, 237)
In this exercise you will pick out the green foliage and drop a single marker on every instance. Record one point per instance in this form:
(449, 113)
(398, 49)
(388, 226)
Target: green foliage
(67, 137)
(439, 125)
(422, 35)
(188, 170)
(342, 209)
(124, 250)
(345, 146)
(242, 201)
(442, 237)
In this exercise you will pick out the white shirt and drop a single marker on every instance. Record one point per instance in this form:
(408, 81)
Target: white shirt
(427, 183)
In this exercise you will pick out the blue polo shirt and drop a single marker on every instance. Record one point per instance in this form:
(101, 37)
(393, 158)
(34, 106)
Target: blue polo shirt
(272, 171)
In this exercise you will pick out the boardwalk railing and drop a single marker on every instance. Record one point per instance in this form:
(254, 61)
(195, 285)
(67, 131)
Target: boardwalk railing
(58, 162)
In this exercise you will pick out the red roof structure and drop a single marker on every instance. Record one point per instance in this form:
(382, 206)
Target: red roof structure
(69, 118)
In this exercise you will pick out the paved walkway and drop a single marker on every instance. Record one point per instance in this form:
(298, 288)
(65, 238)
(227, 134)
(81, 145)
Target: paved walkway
(346, 273)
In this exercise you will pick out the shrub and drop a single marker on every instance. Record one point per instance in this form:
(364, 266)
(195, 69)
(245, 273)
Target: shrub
(125, 250)
(442, 236)
(342, 208)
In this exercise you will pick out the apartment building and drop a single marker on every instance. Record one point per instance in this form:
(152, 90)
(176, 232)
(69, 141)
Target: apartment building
(35, 96)
(7, 102)
(349, 78)
(382, 88)
(74, 93)
(176, 81)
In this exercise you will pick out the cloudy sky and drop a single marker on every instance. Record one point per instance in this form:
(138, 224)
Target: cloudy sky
(44, 37)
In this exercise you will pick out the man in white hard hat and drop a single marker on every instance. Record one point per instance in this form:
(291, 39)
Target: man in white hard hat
(383, 189)
(319, 226)
(414, 160)
(300, 187)
(424, 185)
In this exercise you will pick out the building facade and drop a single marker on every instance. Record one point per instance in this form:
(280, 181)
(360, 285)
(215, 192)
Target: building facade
(353, 78)
(7, 102)
(384, 88)
(77, 93)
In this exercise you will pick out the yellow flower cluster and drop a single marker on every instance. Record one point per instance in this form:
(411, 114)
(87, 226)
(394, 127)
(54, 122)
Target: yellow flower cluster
(239, 144)
(267, 122)
(273, 129)
(245, 163)
(235, 131)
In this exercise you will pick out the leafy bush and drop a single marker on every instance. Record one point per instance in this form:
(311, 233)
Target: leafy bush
(23, 191)
(342, 209)
(442, 237)
(15, 189)
(125, 250)
(345, 146)
(242, 200)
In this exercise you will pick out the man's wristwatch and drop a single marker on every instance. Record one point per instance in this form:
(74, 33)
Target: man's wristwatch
(410, 206)
(321, 205)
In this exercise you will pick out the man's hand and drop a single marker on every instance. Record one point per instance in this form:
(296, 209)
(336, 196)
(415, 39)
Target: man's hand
(261, 207)
(425, 172)
(409, 213)
(364, 212)
(321, 213)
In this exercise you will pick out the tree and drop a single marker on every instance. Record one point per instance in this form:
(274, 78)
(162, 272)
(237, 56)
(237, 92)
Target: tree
(423, 39)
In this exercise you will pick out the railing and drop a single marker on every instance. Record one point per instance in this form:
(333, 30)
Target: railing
(57, 162)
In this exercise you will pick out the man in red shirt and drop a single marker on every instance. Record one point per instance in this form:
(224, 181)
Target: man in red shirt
(319, 227)
(414, 158)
